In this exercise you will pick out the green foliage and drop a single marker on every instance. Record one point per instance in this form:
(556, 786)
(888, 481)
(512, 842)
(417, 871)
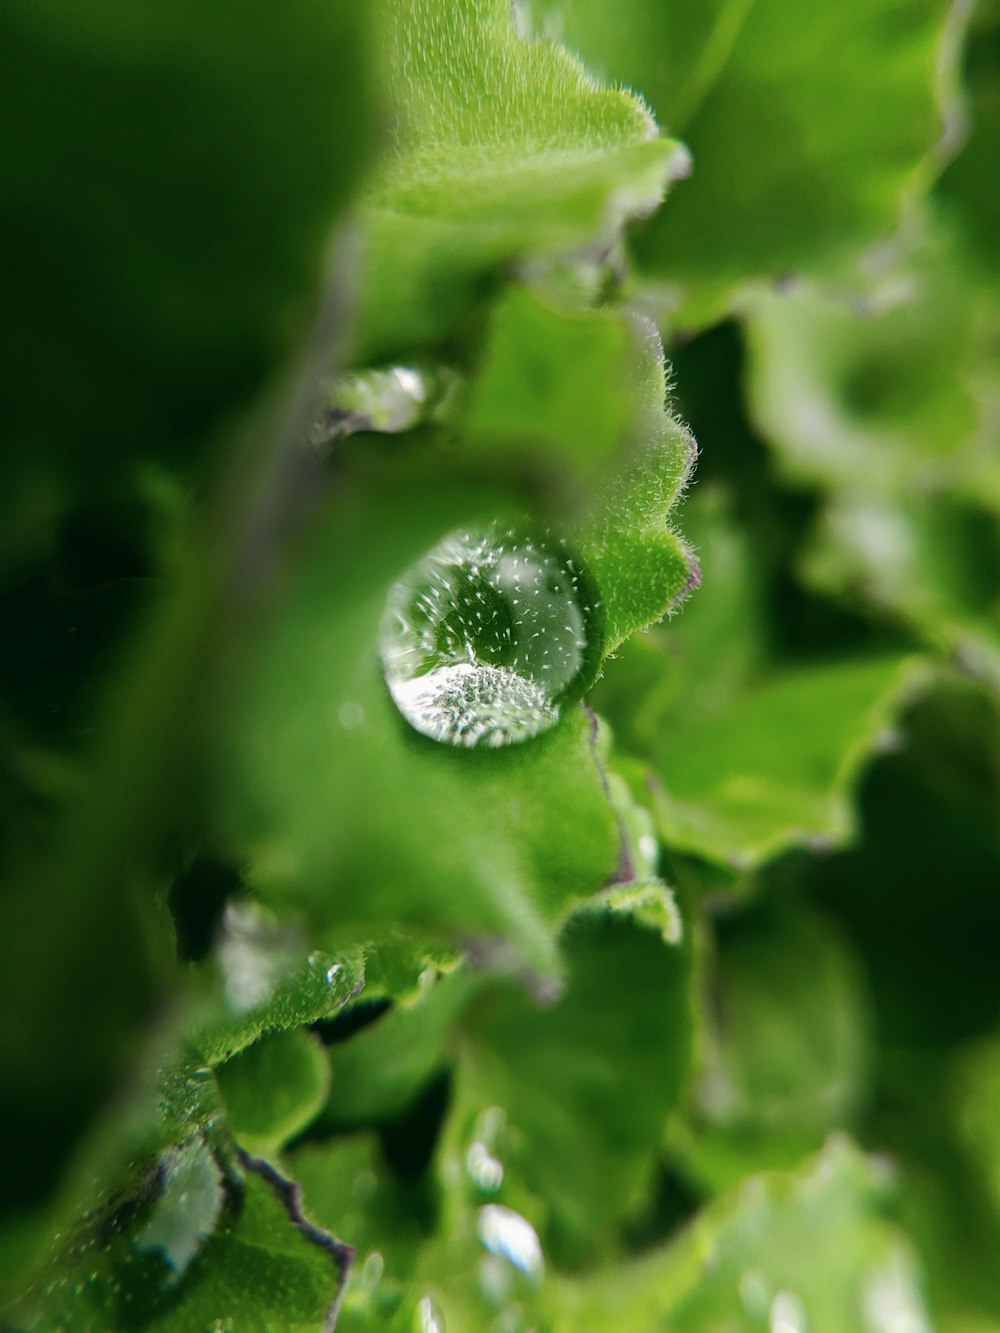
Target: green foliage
(503, 149)
(196, 1263)
(790, 169)
(676, 1012)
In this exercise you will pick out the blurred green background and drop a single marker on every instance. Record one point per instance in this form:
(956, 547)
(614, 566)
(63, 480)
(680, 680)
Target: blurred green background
(684, 1015)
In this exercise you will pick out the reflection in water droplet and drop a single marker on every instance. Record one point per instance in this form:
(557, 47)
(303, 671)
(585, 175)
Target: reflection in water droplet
(508, 1234)
(429, 1318)
(488, 636)
(788, 1314)
(485, 1170)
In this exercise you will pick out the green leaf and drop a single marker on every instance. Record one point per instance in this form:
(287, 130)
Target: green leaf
(582, 400)
(969, 185)
(556, 1118)
(750, 755)
(785, 1046)
(274, 1088)
(780, 181)
(348, 1187)
(267, 987)
(891, 415)
(643, 567)
(929, 561)
(380, 1070)
(977, 1098)
(170, 198)
(732, 791)
(803, 1250)
(878, 398)
(170, 182)
(264, 1266)
(504, 148)
(586, 1085)
(559, 380)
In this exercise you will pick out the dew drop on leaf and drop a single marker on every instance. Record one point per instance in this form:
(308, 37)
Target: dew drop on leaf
(486, 639)
(510, 1236)
(429, 1318)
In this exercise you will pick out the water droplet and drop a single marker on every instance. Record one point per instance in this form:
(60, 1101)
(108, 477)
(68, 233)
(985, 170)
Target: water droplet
(485, 1170)
(486, 638)
(429, 1318)
(185, 1214)
(351, 716)
(892, 1301)
(372, 1270)
(788, 1314)
(648, 849)
(511, 1236)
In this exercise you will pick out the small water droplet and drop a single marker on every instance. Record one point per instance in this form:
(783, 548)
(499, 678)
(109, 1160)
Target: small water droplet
(648, 848)
(485, 1170)
(486, 638)
(351, 716)
(511, 1236)
(371, 1272)
(429, 1318)
(892, 1301)
(788, 1314)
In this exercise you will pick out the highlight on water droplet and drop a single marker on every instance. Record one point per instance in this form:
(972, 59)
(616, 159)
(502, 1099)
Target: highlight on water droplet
(429, 1318)
(788, 1314)
(486, 639)
(512, 1237)
(484, 1170)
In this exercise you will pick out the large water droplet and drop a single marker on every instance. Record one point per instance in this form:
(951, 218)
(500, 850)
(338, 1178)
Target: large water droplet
(486, 639)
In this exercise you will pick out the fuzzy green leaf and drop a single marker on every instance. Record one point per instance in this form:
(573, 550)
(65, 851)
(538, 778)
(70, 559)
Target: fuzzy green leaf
(891, 414)
(263, 1266)
(504, 148)
(586, 1084)
(732, 790)
(781, 181)
(380, 1070)
(274, 1088)
(803, 1250)
(267, 987)
(750, 755)
(785, 1045)
(554, 380)
(643, 567)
